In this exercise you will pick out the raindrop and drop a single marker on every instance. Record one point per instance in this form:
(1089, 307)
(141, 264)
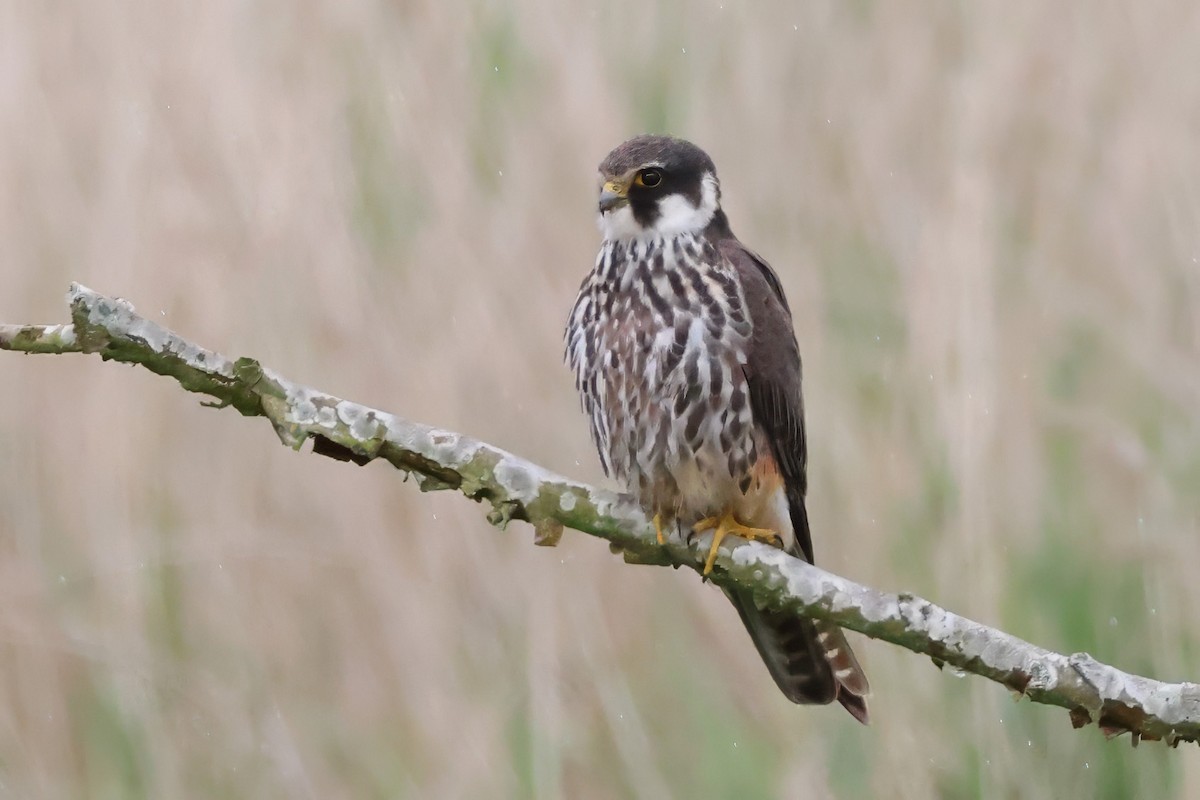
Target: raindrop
(1112, 622)
(683, 50)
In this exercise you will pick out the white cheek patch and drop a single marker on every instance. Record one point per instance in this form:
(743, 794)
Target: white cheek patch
(619, 225)
(676, 214)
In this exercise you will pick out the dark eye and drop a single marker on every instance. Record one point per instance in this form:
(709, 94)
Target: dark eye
(649, 178)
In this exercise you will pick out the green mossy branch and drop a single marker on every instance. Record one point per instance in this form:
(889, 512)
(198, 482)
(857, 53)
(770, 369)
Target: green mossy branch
(516, 489)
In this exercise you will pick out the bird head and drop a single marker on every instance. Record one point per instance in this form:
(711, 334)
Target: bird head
(657, 187)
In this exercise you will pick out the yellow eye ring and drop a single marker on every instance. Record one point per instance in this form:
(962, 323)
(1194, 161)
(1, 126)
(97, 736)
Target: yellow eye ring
(649, 178)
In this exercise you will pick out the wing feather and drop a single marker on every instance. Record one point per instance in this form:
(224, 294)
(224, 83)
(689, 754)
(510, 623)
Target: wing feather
(773, 374)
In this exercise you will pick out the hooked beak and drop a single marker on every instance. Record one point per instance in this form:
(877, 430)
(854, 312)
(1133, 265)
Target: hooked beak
(614, 195)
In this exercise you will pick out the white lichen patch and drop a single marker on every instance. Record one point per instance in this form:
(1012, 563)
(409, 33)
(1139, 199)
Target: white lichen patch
(63, 333)
(754, 553)
(121, 322)
(362, 422)
(301, 411)
(446, 447)
(1042, 675)
(327, 417)
(972, 642)
(309, 408)
(841, 600)
(997, 654)
(877, 608)
(522, 480)
(1174, 704)
(615, 506)
(566, 501)
(940, 623)
(884, 608)
(809, 586)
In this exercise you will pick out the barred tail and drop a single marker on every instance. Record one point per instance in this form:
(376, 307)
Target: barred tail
(810, 660)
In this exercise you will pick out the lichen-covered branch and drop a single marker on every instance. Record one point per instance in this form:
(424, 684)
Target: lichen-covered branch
(515, 489)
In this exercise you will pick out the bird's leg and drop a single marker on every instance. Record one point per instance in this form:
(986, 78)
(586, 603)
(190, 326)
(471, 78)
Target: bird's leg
(726, 524)
(658, 531)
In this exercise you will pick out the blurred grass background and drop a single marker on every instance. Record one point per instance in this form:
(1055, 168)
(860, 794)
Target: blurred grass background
(986, 220)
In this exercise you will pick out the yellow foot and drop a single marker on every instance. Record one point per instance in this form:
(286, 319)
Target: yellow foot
(726, 524)
(658, 531)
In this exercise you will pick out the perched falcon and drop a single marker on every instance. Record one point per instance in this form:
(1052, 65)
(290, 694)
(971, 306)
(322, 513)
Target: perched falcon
(683, 351)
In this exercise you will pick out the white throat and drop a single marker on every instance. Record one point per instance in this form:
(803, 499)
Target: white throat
(676, 215)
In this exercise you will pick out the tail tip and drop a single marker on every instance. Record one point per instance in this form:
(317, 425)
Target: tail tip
(855, 704)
